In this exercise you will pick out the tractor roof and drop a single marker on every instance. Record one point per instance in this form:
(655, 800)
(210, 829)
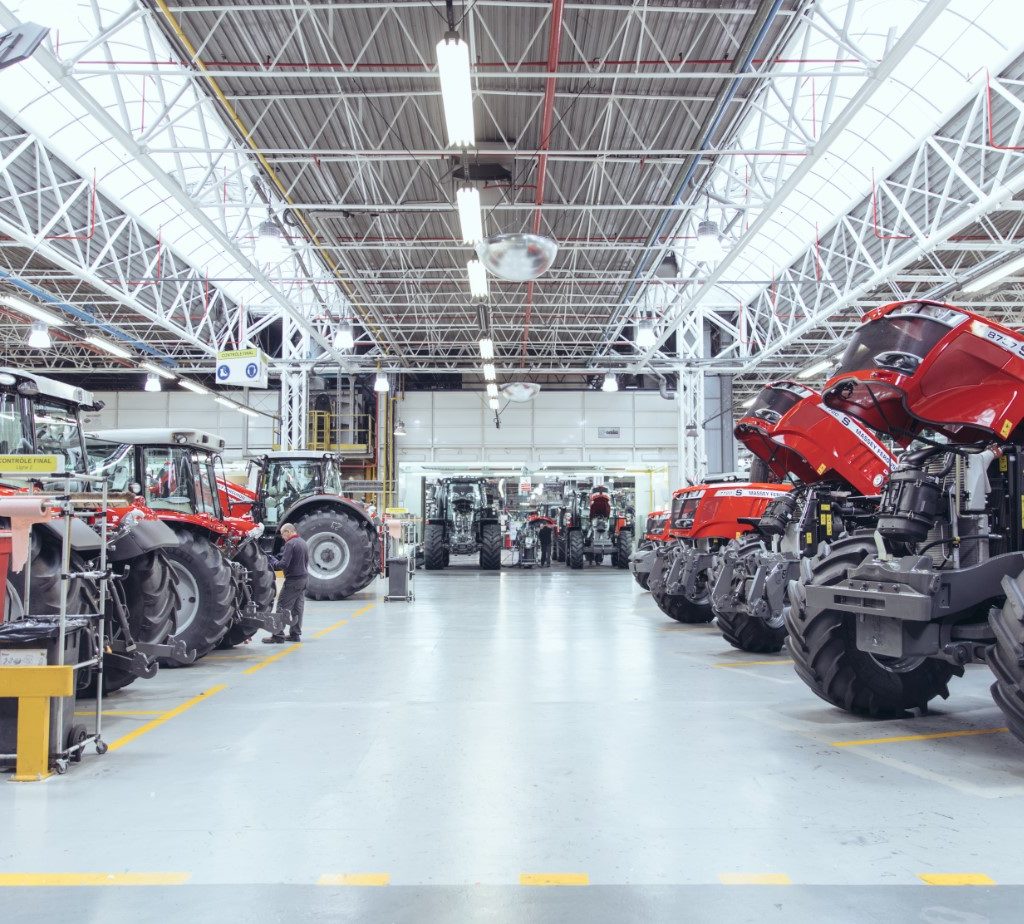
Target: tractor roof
(283, 455)
(50, 388)
(162, 436)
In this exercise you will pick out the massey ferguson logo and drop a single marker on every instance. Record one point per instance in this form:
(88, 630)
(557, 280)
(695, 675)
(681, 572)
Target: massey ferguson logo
(750, 492)
(866, 438)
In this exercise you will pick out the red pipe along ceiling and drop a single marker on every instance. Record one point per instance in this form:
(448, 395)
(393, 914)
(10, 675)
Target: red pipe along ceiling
(546, 120)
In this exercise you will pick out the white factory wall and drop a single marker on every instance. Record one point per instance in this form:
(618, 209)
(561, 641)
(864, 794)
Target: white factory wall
(186, 409)
(557, 429)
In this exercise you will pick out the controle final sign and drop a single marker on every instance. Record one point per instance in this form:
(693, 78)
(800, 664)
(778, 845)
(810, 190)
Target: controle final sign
(247, 368)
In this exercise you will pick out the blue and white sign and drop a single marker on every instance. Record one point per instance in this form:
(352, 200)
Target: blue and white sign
(246, 368)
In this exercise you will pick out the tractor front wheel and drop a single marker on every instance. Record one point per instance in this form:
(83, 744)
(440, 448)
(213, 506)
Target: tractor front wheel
(342, 554)
(204, 604)
(434, 558)
(1006, 657)
(490, 546)
(574, 549)
(623, 549)
(262, 591)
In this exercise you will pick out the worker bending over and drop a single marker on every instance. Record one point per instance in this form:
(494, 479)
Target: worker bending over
(294, 562)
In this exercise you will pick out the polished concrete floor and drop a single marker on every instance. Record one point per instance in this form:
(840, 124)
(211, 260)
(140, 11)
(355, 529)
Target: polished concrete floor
(534, 745)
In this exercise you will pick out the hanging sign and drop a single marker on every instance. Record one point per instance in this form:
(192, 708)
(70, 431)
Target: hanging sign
(247, 368)
(31, 465)
(525, 484)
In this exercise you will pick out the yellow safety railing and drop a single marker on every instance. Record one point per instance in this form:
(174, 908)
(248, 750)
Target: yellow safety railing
(33, 687)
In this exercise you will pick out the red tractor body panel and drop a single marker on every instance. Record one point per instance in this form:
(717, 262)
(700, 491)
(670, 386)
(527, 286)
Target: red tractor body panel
(794, 432)
(716, 511)
(658, 527)
(919, 365)
(235, 500)
(600, 503)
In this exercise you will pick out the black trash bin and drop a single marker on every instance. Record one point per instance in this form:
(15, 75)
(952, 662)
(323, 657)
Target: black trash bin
(34, 640)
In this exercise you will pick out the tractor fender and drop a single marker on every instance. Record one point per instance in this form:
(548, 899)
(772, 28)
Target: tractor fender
(84, 539)
(351, 508)
(145, 536)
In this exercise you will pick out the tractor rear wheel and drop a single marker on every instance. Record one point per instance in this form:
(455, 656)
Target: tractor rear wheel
(749, 633)
(746, 630)
(827, 659)
(623, 549)
(490, 546)
(1006, 657)
(574, 549)
(262, 591)
(433, 547)
(683, 610)
(342, 554)
(204, 605)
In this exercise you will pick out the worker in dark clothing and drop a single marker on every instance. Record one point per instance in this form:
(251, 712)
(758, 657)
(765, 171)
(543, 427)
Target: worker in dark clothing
(544, 535)
(294, 562)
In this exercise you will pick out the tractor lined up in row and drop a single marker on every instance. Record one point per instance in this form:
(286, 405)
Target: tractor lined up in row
(657, 532)
(838, 469)
(592, 527)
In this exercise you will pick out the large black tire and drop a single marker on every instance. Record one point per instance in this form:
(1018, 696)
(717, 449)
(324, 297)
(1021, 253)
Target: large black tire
(574, 549)
(623, 549)
(558, 549)
(827, 659)
(433, 547)
(1006, 657)
(342, 553)
(678, 608)
(205, 606)
(149, 599)
(262, 589)
(644, 580)
(490, 546)
(746, 631)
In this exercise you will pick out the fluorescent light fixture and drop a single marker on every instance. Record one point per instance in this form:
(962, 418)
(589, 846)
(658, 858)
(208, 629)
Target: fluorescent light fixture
(477, 279)
(344, 339)
(400, 428)
(248, 411)
(470, 218)
(492, 389)
(708, 248)
(224, 401)
(32, 311)
(456, 90)
(112, 348)
(610, 383)
(489, 373)
(158, 370)
(486, 348)
(192, 386)
(991, 278)
(380, 383)
(493, 404)
(39, 336)
(645, 333)
(152, 382)
(814, 370)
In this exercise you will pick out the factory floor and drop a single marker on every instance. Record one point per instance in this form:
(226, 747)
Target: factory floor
(536, 746)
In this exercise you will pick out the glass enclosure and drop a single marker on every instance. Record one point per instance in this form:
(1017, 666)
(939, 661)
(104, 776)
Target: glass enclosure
(897, 342)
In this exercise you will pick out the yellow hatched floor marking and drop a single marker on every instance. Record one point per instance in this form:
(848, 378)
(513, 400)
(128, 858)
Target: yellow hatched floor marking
(956, 879)
(752, 663)
(354, 879)
(899, 739)
(11, 880)
(270, 659)
(754, 879)
(165, 717)
(554, 879)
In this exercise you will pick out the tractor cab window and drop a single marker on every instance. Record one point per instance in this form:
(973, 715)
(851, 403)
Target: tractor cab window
(684, 507)
(115, 462)
(897, 342)
(287, 482)
(13, 439)
(332, 478)
(58, 433)
(205, 481)
(170, 478)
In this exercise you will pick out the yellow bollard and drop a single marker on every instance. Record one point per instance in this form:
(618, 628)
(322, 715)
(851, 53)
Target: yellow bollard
(33, 687)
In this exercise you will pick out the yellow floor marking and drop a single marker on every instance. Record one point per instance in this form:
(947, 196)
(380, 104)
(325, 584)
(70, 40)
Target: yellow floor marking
(754, 879)
(9, 880)
(899, 739)
(124, 712)
(231, 657)
(341, 622)
(554, 879)
(270, 659)
(354, 879)
(165, 717)
(956, 879)
(752, 663)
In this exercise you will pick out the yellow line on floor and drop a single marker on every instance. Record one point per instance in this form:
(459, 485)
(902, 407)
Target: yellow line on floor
(165, 717)
(119, 712)
(752, 663)
(956, 879)
(270, 659)
(754, 879)
(899, 739)
(554, 879)
(9, 880)
(341, 622)
(354, 879)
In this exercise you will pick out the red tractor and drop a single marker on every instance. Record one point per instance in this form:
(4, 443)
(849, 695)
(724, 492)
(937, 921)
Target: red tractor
(880, 624)
(225, 586)
(704, 519)
(838, 468)
(41, 416)
(657, 532)
(594, 527)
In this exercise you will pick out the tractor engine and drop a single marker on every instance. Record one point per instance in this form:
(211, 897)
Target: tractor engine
(463, 541)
